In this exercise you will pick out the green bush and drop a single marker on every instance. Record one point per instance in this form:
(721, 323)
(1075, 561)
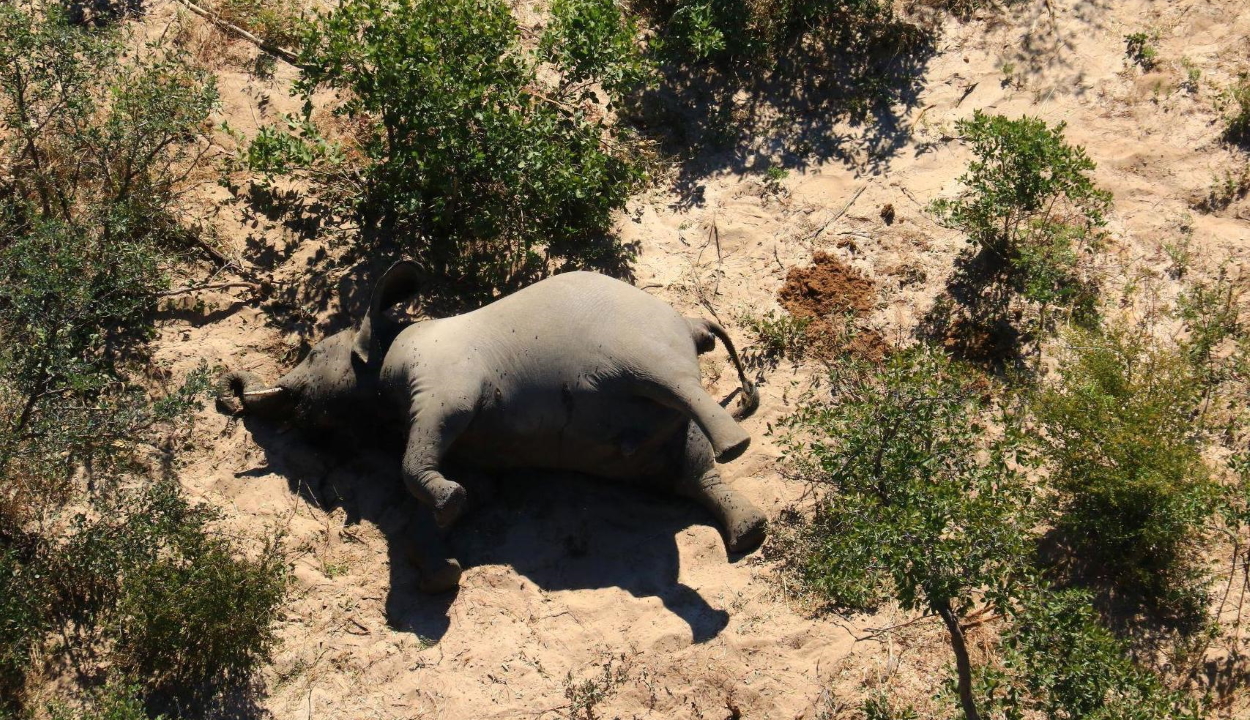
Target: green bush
(464, 162)
(1132, 493)
(23, 620)
(115, 701)
(1140, 48)
(1033, 215)
(737, 32)
(1066, 665)
(592, 41)
(921, 504)
(775, 336)
(182, 610)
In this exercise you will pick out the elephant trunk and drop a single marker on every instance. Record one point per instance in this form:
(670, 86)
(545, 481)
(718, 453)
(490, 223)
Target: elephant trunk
(241, 392)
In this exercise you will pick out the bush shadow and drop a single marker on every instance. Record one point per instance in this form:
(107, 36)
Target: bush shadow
(843, 98)
(562, 531)
(346, 274)
(972, 320)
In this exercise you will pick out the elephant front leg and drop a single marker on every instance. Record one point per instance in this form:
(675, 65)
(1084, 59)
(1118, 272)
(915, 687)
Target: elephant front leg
(429, 437)
(742, 524)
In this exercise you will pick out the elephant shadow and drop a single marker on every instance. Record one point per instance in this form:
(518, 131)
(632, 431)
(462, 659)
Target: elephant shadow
(563, 531)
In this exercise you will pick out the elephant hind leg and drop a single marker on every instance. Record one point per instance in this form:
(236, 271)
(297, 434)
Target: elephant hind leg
(742, 524)
(728, 438)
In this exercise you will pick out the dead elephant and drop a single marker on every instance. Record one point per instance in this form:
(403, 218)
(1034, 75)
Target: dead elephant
(579, 372)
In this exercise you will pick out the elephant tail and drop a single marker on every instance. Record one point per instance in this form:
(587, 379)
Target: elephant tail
(705, 333)
(240, 392)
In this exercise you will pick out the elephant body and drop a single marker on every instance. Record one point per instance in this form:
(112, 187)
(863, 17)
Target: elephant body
(578, 372)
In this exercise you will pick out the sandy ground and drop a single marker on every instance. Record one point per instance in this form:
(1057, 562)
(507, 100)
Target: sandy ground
(564, 576)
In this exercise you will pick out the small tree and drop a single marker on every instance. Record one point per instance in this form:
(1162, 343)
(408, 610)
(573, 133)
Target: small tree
(920, 503)
(1033, 216)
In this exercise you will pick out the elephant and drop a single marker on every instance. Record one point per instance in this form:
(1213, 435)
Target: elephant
(578, 372)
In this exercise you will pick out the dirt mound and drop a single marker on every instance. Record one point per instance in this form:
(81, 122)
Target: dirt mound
(829, 286)
(832, 295)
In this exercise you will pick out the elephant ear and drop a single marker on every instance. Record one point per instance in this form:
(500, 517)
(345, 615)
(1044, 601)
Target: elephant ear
(400, 282)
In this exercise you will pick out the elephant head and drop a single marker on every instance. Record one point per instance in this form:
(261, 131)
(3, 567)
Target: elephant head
(338, 378)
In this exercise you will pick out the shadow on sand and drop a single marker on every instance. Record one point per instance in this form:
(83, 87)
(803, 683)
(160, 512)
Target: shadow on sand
(563, 531)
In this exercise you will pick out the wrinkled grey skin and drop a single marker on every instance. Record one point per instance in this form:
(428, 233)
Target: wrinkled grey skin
(578, 372)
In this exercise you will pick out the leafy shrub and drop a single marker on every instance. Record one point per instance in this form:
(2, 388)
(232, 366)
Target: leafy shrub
(1068, 665)
(182, 610)
(763, 32)
(1212, 316)
(23, 620)
(463, 163)
(115, 701)
(859, 54)
(921, 505)
(1124, 455)
(1030, 209)
(776, 337)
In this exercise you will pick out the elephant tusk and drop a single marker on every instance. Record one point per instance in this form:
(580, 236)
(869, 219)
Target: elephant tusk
(262, 394)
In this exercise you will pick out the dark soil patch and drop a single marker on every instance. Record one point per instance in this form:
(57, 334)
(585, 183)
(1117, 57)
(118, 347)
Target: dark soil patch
(829, 286)
(833, 295)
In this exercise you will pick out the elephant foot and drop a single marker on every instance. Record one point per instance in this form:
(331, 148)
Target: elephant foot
(734, 451)
(746, 533)
(450, 504)
(441, 579)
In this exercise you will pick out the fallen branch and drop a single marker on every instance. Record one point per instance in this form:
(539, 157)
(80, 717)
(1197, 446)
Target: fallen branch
(254, 287)
(840, 213)
(278, 52)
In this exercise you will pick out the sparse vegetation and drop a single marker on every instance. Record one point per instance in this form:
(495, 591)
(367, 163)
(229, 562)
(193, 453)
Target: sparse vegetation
(586, 696)
(277, 22)
(777, 337)
(772, 179)
(1193, 74)
(1141, 49)
(1226, 188)
(1237, 100)
(880, 707)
